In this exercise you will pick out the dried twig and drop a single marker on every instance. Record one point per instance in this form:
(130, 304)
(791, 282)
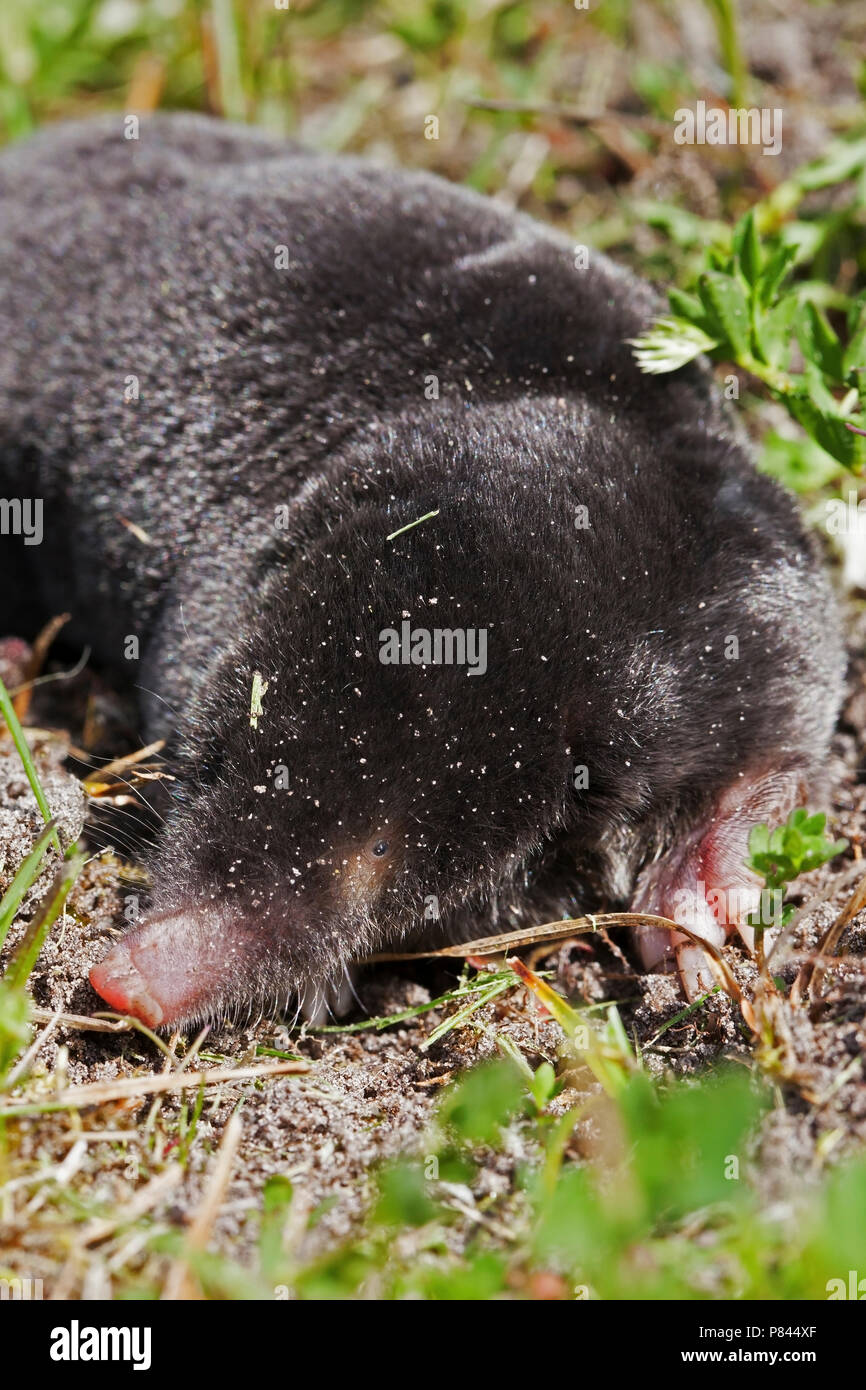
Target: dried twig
(575, 115)
(102, 1092)
(86, 1022)
(812, 970)
(24, 693)
(180, 1283)
(105, 779)
(593, 924)
(142, 1201)
(22, 1065)
(548, 931)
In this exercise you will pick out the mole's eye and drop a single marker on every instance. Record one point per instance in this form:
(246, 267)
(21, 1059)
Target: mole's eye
(380, 848)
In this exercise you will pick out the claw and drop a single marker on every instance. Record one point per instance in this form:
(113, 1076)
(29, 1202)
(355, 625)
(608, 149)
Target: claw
(704, 884)
(320, 1005)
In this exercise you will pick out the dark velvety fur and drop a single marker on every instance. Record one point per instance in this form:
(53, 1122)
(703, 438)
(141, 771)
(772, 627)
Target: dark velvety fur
(306, 386)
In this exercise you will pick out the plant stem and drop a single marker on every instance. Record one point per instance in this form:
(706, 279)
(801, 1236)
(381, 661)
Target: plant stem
(728, 31)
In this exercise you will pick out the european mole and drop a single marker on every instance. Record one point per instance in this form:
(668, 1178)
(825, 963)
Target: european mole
(455, 621)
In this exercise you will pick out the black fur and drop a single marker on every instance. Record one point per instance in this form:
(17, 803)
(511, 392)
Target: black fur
(306, 386)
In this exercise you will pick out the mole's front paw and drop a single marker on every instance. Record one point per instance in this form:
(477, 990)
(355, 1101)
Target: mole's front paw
(322, 1004)
(703, 882)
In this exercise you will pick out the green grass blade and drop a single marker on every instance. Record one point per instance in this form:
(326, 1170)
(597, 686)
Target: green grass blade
(468, 989)
(607, 1052)
(485, 995)
(18, 888)
(26, 955)
(8, 712)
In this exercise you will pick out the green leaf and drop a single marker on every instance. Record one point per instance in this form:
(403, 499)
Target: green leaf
(277, 1194)
(820, 392)
(685, 228)
(844, 1218)
(727, 312)
(800, 463)
(276, 1200)
(854, 356)
(577, 1229)
(455, 1166)
(840, 162)
(795, 848)
(687, 307)
(479, 1279)
(683, 1140)
(776, 269)
(819, 342)
(403, 1196)
(543, 1085)
(806, 237)
(828, 429)
(747, 248)
(430, 26)
(774, 332)
(482, 1101)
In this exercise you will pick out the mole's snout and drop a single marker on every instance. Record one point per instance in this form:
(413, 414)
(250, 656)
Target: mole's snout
(124, 988)
(172, 967)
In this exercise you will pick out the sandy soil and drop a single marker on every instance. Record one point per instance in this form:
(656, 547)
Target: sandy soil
(369, 1095)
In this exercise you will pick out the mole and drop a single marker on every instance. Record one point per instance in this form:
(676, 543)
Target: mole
(454, 622)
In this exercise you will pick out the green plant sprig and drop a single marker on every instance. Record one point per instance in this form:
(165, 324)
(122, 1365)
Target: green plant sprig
(780, 856)
(744, 308)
